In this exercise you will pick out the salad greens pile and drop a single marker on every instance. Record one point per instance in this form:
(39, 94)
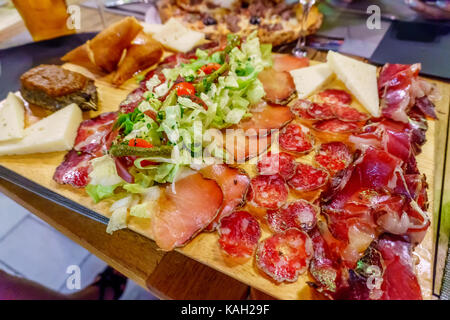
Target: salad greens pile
(172, 124)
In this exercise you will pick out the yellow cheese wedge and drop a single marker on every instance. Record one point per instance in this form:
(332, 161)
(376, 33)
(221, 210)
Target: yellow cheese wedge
(359, 77)
(310, 79)
(12, 115)
(152, 28)
(56, 132)
(175, 36)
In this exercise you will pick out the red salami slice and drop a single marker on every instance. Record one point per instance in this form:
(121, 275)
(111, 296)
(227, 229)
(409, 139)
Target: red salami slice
(335, 96)
(336, 126)
(308, 178)
(320, 111)
(92, 134)
(268, 192)
(296, 138)
(333, 156)
(300, 108)
(74, 169)
(287, 62)
(239, 234)
(279, 86)
(299, 214)
(282, 163)
(347, 113)
(285, 255)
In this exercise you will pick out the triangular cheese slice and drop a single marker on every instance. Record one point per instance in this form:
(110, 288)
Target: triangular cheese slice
(12, 115)
(359, 77)
(308, 80)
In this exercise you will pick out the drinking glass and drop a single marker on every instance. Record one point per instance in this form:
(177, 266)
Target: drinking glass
(300, 48)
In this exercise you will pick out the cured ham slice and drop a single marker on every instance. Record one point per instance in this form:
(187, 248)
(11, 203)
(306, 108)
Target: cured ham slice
(74, 170)
(272, 163)
(279, 86)
(287, 62)
(299, 214)
(184, 210)
(234, 184)
(333, 156)
(308, 178)
(133, 100)
(337, 126)
(92, 134)
(285, 255)
(239, 234)
(268, 192)
(396, 85)
(244, 145)
(399, 279)
(267, 117)
(296, 138)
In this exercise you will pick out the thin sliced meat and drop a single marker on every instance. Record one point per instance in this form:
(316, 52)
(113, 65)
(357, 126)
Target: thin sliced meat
(269, 192)
(287, 62)
(320, 111)
(426, 106)
(267, 117)
(234, 184)
(333, 156)
(335, 96)
(399, 280)
(242, 147)
(299, 214)
(279, 86)
(185, 213)
(337, 126)
(239, 234)
(272, 163)
(93, 133)
(308, 178)
(74, 170)
(347, 113)
(133, 100)
(296, 138)
(299, 108)
(285, 255)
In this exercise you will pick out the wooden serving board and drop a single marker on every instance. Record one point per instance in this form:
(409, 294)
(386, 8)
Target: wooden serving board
(204, 248)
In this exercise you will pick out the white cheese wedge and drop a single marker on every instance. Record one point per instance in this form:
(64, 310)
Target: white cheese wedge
(175, 36)
(310, 79)
(152, 28)
(12, 114)
(56, 132)
(359, 77)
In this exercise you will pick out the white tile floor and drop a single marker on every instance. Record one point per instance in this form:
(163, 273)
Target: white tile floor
(32, 249)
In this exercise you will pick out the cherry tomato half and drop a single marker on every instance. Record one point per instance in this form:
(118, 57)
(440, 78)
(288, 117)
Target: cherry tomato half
(210, 67)
(185, 89)
(141, 143)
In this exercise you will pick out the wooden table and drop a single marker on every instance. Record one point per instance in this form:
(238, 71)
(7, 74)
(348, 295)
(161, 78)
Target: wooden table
(166, 275)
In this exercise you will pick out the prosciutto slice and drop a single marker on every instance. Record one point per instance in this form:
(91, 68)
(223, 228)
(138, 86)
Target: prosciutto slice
(267, 117)
(74, 170)
(185, 211)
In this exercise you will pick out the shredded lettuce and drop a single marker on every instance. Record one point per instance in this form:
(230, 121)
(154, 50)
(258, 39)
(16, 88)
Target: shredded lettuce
(104, 172)
(99, 192)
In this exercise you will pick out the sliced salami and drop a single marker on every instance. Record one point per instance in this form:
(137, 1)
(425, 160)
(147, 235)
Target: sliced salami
(337, 126)
(300, 108)
(347, 113)
(308, 178)
(239, 234)
(320, 111)
(296, 138)
(285, 255)
(282, 163)
(268, 192)
(299, 214)
(333, 156)
(335, 96)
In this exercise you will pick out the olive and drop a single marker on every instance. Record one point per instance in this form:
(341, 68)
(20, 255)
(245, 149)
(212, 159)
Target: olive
(209, 21)
(255, 20)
